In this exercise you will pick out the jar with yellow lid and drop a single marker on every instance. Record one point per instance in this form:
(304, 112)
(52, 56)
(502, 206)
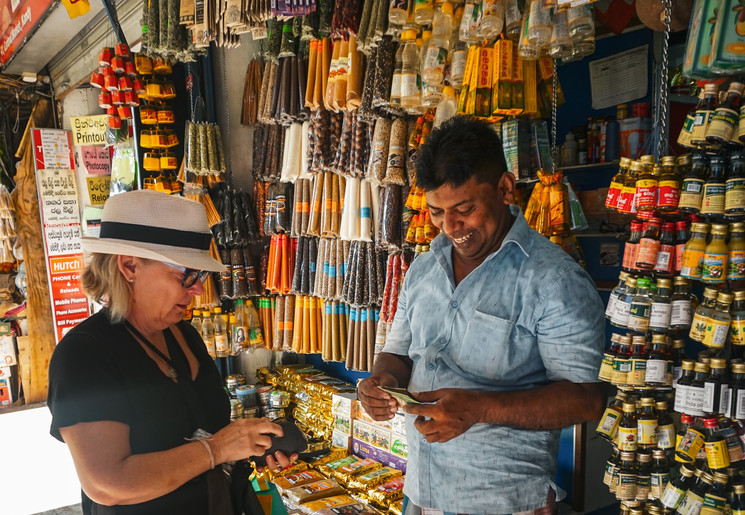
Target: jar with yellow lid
(168, 161)
(151, 162)
(154, 89)
(165, 115)
(143, 64)
(162, 67)
(168, 90)
(146, 139)
(172, 139)
(160, 139)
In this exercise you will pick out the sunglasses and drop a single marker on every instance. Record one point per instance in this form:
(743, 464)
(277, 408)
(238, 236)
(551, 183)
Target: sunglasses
(191, 276)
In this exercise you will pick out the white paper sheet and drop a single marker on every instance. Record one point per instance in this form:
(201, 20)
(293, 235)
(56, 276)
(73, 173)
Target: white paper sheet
(620, 78)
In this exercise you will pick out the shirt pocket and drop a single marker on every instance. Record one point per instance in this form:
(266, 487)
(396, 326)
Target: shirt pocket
(486, 351)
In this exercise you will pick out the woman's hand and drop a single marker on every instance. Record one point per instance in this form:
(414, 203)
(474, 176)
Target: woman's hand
(243, 438)
(279, 461)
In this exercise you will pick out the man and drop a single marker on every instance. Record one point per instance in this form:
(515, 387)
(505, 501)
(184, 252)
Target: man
(497, 331)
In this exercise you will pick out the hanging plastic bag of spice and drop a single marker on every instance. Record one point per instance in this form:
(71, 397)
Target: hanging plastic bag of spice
(396, 153)
(390, 233)
(384, 63)
(379, 150)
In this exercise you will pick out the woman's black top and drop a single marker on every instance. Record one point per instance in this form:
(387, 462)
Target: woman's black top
(100, 372)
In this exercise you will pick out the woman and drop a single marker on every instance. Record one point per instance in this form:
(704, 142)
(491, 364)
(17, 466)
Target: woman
(130, 387)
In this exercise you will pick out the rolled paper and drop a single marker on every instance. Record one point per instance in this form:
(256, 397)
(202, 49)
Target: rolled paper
(297, 333)
(370, 339)
(287, 155)
(353, 200)
(319, 322)
(305, 150)
(326, 346)
(304, 266)
(326, 199)
(306, 325)
(336, 202)
(314, 221)
(278, 327)
(333, 330)
(306, 201)
(344, 230)
(351, 331)
(318, 274)
(310, 84)
(298, 270)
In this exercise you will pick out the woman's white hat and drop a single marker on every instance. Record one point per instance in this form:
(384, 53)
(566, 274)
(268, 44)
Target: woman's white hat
(155, 225)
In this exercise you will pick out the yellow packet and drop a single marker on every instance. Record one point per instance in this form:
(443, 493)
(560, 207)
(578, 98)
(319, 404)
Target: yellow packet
(373, 479)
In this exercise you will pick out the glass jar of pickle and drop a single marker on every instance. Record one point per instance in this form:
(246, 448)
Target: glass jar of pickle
(168, 161)
(148, 115)
(168, 91)
(151, 162)
(146, 139)
(143, 64)
(162, 67)
(154, 89)
(165, 116)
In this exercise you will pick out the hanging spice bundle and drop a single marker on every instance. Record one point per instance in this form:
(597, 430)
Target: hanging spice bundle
(165, 38)
(360, 209)
(281, 263)
(361, 330)
(389, 217)
(396, 268)
(266, 308)
(548, 207)
(203, 149)
(364, 275)
(304, 276)
(330, 268)
(283, 324)
(307, 325)
(334, 331)
(252, 84)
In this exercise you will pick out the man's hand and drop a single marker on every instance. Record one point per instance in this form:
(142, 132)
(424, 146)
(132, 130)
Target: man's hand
(454, 411)
(378, 404)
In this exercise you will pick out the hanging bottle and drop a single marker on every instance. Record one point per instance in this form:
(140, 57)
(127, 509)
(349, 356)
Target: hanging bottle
(716, 387)
(736, 252)
(649, 244)
(561, 45)
(539, 24)
(639, 312)
(717, 498)
(631, 247)
(439, 45)
(696, 390)
(208, 334)
(712, 204)
(620, 316)
(605, 373)
(647, 424)
(665, 427)
(737, 386)
(717, 455)
(686, 134)
(680, 319)
(512, 20)
(627, 429)
(702, 314)
(423, 12)
(627, 199)
(615, 293)
(622, 362)
(738, 499)
(613, 461)
(682, 384)
(693, 253)
(196, 320)
(222, 348)
(446, 108)
(717, 327)
(668, 188)
(737, 325)
(726, 117)
(734, 196)
(691, 193)
(714, 269)
(660, 474)
(410, 93)
(458, 61)
(676, 489)
(693, 501)
(469, 22)
(525, 49)
(661, 309)
(608, 425)
(616, 183)
(637, 374)
(682, 235)
(678, 355)
(580, 22)
(492, 19)
(704, 115)
(395, 98)
(255, 336)
(665, 264)
(626, 489)
(398, 12)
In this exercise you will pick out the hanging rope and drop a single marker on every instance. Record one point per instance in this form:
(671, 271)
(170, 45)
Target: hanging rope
(663, 100)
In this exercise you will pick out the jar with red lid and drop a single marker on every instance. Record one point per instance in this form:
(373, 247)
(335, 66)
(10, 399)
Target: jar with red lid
(124, 112)
(117, 64)
(131, 98)
(166, 116)
(143, 64)
(104, 100)
(151, 162)
(122, 50)
(125, 83)
(115, 122)
(97, 80)
(129, 69)
(104, 56)
(146, 139)
(138, 87)
(148, 115)
(117, 98)
(112, 111)
(110, 83)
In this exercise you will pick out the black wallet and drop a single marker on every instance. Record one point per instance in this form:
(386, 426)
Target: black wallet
(292, 441)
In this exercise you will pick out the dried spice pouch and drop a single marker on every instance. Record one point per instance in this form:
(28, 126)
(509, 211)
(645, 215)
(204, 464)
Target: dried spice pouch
(366, 108)
(354, 75)
(379, 150)
(337, 190)
(390, 213)
(312, 262)
(339, 269)
(250, 273)
(318, 282)
(279, 315)
(306, 156)
(396, 153)
(293, 155)
(383, 70)
(311, 78)
(305, 187)
(288, 329)
(350, 343)
(325, 222)
(298, 271)
(314, 221)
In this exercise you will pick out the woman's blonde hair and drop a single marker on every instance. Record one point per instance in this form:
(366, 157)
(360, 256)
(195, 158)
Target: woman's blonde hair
(103, 282)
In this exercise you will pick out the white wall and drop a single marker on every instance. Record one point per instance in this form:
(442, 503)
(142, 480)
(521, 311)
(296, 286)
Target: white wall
(79, 102)
(232, 64)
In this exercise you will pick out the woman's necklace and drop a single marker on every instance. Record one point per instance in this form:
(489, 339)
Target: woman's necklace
(171, 369)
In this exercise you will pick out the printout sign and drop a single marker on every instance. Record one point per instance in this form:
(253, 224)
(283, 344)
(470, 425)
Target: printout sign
(60, 221)
(620, 78)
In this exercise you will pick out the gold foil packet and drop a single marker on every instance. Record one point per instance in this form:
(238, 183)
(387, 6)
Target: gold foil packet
(350, 509)
(301, 478)
(372, 479)
(313, 491)
(387, 493)
(327, 502)
(298, 466)
(346, 473)
(396, 508)
(328, 468)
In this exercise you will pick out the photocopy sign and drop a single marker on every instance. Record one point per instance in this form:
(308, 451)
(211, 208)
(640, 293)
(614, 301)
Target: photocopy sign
(60, 220)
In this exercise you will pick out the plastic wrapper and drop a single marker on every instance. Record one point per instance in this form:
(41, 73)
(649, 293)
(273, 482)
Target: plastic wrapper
(385, 494)
(396, 508)
(548, 209)
(326, 503)
(365, 482)
(389, 227)
(365, 110)
(349, 509)
(384, 63)
(346, 473)
(394, 173)
(328, 468)
(296, 468)
(294, 480)
(379, 150)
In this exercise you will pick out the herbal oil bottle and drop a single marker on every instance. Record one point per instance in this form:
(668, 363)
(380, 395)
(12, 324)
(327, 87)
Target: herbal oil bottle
(643, 475)
(677, 488)
(736, 252)
(665, 427)
(646, 422)
(691, 192)
(622, 308)
(712, 204)
(714, 268)
(681, 388)
(717, 454)
(717, 327)
(734, 189)
(606, 367)
(640, 309)
(608, 425)
(682, 306)
(702, 314)
(627, 429)
(693, 252)
(659, 367)
(661, 309)
(615, 293)
(716, 387)
(660, 474)
(626, 490)
(737, 324)
(695, 395)
(668, 187)
(622, 362)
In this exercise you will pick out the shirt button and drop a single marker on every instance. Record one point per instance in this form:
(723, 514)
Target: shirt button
(442, 340)
(424, 440)
(430, 367)
(454, 304)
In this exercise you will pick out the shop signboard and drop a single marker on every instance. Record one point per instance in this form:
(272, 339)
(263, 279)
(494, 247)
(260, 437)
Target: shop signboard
(18, 20)
(60, 219)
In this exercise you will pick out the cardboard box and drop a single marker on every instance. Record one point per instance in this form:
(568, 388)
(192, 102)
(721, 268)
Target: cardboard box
(365, 450)
(359, 413)
(372, 435)
(344, 404)
(399, 445)
(7, 350)
(398, 423)
(339, 439)
(342, 424)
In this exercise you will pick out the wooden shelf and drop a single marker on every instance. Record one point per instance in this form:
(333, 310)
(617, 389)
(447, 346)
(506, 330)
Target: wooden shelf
(593, 166)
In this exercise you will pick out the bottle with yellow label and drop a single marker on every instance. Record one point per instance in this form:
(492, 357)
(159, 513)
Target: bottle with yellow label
(737, 324)
(628, 430)
(643, 475)
(610, 465)
(693, 500)
(693, 252)
(712, 203)
(608, 425)
(646, 186)
(646, 422)
(704, 115)
(665, 427)
(702, 314)
(606, 366)
(676, 489)
(726, 117)
(626, 489)
(616, 184)
(622, 362)
(668, 187)
(734, 189)
(717, 455)
(716, 498)
(684, 138)
(714, 268)
(717, 327)
(660, 474)
(736, 252)
(692, 188)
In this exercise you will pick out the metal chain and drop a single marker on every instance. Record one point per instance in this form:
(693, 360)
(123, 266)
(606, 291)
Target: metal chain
(554, 146)
(662, 143)
(192, 107)
(229, 153)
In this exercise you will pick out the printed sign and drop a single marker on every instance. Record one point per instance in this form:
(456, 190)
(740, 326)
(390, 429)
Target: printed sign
(89, 130)
(60, 218)
(18, 19)
(96, 160)
(98, 189)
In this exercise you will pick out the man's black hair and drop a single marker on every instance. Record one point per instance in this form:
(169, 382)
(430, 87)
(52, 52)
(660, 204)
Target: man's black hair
(461, 148)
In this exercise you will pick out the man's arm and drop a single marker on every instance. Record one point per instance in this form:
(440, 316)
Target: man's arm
(392, 370)
(552, 406)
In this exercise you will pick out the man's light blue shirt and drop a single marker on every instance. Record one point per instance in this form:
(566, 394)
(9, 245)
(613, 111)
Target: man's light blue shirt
(527, 316)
